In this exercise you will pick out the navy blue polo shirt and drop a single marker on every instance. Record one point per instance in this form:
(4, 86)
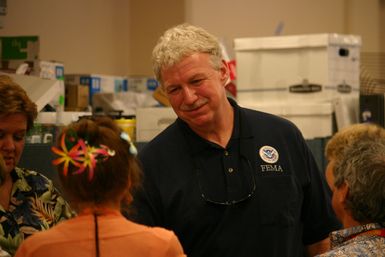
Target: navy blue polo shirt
(262, 195)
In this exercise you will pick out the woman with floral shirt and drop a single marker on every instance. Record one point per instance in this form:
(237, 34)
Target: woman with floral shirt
(28, 200)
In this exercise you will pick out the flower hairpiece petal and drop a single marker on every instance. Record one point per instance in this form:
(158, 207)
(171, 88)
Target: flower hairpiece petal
(66, 157)
(81, 155)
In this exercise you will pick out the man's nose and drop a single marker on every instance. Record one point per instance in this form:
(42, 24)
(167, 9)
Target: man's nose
(189, 94)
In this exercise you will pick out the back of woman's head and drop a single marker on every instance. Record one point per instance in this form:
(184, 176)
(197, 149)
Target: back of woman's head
(14, 99)
(101, 168)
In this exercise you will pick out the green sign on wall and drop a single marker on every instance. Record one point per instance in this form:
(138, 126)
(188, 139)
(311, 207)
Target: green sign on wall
(19, 48)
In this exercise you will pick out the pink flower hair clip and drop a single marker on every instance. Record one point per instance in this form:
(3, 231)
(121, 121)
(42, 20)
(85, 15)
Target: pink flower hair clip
(81, 155)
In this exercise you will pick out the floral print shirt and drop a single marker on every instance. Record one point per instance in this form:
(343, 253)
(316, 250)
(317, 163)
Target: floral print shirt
(34, 205)
(350, 242)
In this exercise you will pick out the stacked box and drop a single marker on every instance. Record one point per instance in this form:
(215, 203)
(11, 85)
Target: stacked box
(51, 70)
(48, 69)
(142, 84)
(98, 83)
(21, 54)
(93, 83)
(286, 75)
(76, 97)
(303, 67)
(150, 121)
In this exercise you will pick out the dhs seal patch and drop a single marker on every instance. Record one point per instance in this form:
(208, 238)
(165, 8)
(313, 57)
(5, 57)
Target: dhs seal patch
(269, 154)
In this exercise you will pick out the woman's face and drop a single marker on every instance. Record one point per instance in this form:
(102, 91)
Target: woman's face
(13, 129)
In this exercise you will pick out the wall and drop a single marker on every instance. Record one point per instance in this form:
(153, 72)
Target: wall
(149, 18)
(364, 18)
(94, 36)
(250, 18)
(116, 36)
(382, 28)
(88, 36)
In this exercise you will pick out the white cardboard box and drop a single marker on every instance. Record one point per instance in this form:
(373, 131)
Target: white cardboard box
(150, 121)
(41, 91)
(64, 119)
(271, 67)
(282, 73)
(142, 84)
(314, 120)
(127, 102)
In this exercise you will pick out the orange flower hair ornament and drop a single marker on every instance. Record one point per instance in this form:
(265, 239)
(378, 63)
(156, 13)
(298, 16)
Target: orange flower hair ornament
(80, 155)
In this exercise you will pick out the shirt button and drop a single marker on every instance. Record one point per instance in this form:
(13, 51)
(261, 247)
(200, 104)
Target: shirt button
(230, 170)
(226, 153)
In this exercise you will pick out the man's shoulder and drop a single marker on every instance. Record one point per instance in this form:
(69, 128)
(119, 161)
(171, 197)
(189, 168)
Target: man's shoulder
(268, 120)
(165, 142)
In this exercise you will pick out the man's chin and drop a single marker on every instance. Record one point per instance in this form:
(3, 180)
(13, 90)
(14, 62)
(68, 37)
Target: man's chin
(198, 121)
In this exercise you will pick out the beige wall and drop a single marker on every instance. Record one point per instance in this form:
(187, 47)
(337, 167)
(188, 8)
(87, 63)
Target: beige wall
(94, 36)
(250, 18)
(254, 18)
(382, 28)
(364, 18)
(149, 18)
(116, 36)
(88, 36)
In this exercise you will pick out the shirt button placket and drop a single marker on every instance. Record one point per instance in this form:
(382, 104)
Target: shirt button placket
(229, 170)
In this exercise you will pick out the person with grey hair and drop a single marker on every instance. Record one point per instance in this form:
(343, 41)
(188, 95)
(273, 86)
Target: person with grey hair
(356, 176)
(228, 180)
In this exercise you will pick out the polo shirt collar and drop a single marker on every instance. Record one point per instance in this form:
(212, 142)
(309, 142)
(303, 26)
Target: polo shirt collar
(241, 131)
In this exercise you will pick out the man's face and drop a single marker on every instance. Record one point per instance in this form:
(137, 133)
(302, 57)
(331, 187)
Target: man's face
(13, 129)
(195, 89)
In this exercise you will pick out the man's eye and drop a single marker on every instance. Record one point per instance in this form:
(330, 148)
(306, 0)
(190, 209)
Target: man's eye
(196, 81)
(172, 90)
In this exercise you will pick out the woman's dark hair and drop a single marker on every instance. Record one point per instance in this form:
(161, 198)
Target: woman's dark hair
(117, 175)
(113, 177)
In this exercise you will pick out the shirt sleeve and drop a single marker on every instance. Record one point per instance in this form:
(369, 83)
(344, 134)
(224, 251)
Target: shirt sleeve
(61, 208)
(175, 248)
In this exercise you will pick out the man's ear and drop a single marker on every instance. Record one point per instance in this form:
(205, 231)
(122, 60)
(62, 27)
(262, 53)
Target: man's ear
(225, 73)
(343, 193)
